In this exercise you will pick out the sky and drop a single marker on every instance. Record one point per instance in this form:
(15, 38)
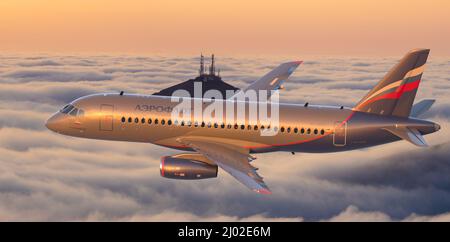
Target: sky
(51, 177)
(231, 27)
(52, 52)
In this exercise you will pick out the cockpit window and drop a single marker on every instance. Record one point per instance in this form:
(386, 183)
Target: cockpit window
(74, 112)
(67, 108)
(71, 110)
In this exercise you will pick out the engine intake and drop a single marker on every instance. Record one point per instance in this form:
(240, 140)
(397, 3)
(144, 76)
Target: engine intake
(187, 167)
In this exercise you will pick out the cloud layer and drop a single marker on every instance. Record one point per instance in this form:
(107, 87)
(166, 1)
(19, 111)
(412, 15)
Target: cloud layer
(45, 176)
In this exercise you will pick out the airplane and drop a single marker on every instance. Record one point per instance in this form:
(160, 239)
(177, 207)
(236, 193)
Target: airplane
(386, 114)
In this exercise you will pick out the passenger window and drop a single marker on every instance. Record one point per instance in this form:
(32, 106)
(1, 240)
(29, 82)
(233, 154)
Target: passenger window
(302, 131)
(136, 120)
(249, 127)
(236, 126)
(196, 124)
(149, 121)
(123, 119)
(169, 122)
(282, 129)
(216, 125)
(222, 126)
(129, 120)
(308, 131)
(316, 131)
(255, 127)
(203, 124)
(295, 130)
(163, 121)
(229, 126)
(156, 121)
(289, 129)
(143, 120)
(242, 126)
(322, 132)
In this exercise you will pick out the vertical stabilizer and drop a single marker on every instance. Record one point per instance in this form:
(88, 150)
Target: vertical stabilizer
(395, 93)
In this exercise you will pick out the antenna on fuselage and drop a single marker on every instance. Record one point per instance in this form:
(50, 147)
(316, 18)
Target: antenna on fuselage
(121, 93)
(306, 105)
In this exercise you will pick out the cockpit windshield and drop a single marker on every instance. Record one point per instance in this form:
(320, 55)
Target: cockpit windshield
(71, 110)
(67, 108)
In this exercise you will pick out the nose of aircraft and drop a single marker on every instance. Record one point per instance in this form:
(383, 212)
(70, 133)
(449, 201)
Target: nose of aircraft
(54, 122)
(437, 127)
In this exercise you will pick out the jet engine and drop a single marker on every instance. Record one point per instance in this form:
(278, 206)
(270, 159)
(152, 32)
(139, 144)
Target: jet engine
(187, 166)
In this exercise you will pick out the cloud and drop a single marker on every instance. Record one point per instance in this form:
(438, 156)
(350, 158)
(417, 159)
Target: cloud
(46, 176)
(40, 63)
(54, 76)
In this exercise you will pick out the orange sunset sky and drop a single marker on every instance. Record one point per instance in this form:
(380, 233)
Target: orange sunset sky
(282, 27)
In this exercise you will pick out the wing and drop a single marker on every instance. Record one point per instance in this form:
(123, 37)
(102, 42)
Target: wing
(274, 79)
(234, 160)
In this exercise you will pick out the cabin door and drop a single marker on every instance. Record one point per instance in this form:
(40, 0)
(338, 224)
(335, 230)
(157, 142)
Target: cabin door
(340, 133)
(106, 117)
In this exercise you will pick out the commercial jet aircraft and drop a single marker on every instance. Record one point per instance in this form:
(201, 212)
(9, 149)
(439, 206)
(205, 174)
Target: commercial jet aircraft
(386, 114)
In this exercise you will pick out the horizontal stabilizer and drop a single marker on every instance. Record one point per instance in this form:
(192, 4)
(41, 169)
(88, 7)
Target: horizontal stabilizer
(409, 134)
(421, 107)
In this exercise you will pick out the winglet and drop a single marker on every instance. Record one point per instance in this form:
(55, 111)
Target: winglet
(263, 191)
(409, 134)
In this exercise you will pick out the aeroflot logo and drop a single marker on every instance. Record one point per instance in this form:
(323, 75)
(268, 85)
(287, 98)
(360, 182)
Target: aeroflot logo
(153, 108)
(247, 108)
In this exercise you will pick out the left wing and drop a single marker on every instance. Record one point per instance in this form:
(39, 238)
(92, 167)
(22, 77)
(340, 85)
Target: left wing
(234, 160)
(274, 79)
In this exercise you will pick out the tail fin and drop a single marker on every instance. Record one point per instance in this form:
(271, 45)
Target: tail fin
(395, 93)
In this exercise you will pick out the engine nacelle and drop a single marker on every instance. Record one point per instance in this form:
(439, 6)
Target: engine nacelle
(188, 166)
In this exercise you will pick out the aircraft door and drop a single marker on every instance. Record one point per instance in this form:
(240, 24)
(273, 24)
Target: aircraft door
(106, 117)
(340, 133)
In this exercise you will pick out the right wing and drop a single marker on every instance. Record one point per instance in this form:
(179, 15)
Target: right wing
(274, 79)
(232, 159)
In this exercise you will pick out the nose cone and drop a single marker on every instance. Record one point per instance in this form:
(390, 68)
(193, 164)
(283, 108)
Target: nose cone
(54, 122)
(437, 127)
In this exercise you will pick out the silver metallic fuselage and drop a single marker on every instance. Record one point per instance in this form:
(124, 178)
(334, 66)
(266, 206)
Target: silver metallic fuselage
(330, 129)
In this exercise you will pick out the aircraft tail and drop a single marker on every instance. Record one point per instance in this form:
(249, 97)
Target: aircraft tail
(395, 93)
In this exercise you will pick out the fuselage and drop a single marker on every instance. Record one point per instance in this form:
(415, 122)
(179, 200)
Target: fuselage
(148, 119)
